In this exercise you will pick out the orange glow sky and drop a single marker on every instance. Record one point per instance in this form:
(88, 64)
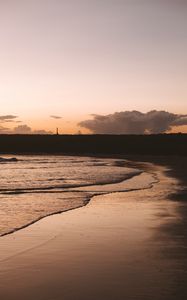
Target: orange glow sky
(80, 57)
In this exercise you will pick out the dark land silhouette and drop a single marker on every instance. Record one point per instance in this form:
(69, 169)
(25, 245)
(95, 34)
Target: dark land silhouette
(160, 144)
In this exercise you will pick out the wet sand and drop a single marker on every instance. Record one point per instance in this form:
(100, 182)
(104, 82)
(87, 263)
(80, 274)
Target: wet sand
(119, 246)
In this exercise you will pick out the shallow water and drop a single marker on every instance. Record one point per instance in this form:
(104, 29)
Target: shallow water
(32, 187)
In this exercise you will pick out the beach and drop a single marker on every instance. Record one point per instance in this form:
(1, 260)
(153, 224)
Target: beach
(93, 150)
(121, 245)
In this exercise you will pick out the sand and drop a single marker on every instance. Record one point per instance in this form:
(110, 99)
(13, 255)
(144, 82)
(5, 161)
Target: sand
(119, 246)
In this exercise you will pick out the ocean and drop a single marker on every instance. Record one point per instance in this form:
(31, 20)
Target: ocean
(32, 187)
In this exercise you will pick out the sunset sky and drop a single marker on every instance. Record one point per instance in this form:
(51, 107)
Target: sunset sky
(75, 58)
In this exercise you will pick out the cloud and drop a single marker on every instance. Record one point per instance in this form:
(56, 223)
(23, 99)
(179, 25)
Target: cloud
(180, 121)
(8, 118)
(56, 117)
(134, 122)
(22, 129)
(25, 129)
(3, 129)
(41, 132)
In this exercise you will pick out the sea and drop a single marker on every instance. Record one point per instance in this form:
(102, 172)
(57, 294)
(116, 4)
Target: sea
(33, 187)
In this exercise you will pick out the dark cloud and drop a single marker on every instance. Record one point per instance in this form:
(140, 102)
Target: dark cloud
(56, 117)
(134, 122)
(8, 118)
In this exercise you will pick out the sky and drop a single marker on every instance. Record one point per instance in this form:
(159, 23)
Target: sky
(79, 58)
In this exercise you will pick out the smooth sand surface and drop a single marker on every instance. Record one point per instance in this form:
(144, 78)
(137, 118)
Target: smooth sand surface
(119, 246)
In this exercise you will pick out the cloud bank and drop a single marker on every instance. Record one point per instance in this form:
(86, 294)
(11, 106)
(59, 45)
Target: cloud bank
(134, 122)
(22, 129)
(19, 129)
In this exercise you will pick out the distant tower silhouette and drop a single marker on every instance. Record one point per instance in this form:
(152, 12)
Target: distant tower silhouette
(57, 133)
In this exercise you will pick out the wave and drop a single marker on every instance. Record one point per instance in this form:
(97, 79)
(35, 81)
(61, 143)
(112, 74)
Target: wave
(87, 198)
(4, 160)
(67, 186)
(29, 195)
